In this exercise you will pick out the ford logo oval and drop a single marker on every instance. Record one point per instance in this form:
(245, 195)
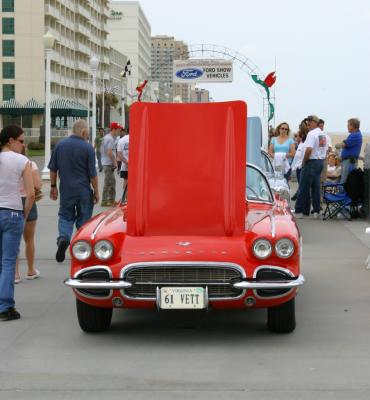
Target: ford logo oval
(189, 73)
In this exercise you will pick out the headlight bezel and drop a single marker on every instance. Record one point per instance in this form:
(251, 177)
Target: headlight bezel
(96, 249)
(259, 241)
(88, 250)
(279, 242)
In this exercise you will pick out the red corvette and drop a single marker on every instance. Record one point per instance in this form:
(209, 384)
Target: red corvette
(199, 229)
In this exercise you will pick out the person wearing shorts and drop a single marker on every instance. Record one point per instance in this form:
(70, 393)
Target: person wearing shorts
(122, 155)
(29, 231)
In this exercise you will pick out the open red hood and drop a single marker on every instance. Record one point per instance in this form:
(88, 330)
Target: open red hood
(187, 169)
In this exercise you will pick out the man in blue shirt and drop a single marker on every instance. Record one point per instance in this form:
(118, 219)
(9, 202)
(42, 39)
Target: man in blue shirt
(73, 160)
(351, 148)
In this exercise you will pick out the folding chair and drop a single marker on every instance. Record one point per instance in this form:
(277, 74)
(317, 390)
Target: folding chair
(344, 198)
(337, 201)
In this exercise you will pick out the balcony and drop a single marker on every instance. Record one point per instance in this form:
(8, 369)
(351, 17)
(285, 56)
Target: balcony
(52, 11)
(82, 66)
(83, 11)
(83, 30)
(82, 48)
(81, 84)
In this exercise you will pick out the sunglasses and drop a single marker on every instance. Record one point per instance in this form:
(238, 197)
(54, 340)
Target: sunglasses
(20, 141)
(284, 129)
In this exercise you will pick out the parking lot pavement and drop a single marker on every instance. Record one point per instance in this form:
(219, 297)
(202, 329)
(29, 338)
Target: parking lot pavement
(218, 355)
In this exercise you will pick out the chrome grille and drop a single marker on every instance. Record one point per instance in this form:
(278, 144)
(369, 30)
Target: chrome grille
(218, 279)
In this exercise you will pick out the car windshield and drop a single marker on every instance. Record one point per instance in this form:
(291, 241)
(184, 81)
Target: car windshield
(266, 164)
(257, 187)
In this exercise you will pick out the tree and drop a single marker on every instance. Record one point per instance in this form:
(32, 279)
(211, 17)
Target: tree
(110, 100)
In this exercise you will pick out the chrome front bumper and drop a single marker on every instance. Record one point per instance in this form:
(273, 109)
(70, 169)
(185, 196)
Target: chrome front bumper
(253, 285)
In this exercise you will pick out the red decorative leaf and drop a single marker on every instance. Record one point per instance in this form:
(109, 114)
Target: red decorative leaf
(270, 79)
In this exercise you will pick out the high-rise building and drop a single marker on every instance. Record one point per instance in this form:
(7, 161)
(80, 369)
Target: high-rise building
(80, 31)
(165, 49)
(198, 95)
(129, 33)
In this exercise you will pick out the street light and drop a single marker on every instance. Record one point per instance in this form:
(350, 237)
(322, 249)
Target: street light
(49, 41)
(123, 95)
(94, 64)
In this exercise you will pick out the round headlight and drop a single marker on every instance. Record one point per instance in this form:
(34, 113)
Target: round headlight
(284, 248)
(262, 248)
(81, 250)
(103, 249)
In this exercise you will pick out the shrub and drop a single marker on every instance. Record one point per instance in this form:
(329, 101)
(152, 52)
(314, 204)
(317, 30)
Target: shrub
(36, 146)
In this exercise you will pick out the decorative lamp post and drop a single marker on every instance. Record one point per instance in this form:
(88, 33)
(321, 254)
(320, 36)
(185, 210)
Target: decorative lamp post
(49, 41)
(94, 64)
(123, 98)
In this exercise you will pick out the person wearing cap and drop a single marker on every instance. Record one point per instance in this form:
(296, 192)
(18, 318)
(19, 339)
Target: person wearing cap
(109, 163)
(312, 164)
(351, 148)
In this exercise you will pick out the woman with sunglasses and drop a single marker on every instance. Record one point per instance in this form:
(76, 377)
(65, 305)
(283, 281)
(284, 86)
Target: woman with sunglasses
(283, 144)
(14, 168)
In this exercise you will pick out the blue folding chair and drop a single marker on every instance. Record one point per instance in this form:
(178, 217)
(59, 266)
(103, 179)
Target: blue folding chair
(337, 201)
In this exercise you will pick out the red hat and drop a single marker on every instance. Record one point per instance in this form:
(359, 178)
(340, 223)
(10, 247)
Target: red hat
(114, 125)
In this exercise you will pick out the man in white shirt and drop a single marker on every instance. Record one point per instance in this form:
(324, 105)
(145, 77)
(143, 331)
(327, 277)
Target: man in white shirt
(122, 155)
(312, 164)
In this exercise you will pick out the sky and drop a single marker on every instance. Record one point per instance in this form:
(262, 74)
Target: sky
(319, 48)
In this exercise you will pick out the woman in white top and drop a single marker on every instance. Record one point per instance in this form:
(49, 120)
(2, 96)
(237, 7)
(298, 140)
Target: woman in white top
(14, 168)
(30, 228)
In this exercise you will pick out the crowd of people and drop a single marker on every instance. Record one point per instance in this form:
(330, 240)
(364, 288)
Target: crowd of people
(73, 163)
(312, 156)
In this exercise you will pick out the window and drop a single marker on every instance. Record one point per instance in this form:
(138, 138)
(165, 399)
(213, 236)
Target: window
(8, 92)
(8, 70)
(8, 26)
(257, 188)
(8, 5)
(8, 48)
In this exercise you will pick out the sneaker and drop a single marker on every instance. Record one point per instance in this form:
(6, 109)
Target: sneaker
(61, 252)
(9, 314)
(316, 215)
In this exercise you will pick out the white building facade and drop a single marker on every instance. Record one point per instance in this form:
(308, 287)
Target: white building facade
(80, 31)
(129, 33)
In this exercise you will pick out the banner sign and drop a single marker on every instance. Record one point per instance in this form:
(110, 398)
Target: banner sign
(212, 70)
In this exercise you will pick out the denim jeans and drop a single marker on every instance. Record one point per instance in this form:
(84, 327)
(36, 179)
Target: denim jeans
(98, 156)
(346, 168)
(309, 182)
(73, 211)
(11, 229)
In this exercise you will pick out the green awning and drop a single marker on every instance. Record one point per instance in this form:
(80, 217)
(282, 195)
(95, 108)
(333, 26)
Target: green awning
(11, 107)
(32, 107)
(62, 107)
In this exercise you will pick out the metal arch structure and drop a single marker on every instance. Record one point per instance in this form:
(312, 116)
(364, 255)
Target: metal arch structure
(216, 51)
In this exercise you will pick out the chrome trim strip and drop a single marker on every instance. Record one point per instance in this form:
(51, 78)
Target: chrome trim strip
(181, 283)
(271, 285)
(273, 225)
(202, 264)
(205, 264)
(93, 235)
(95, 267)
(79, 284)
(282, 269)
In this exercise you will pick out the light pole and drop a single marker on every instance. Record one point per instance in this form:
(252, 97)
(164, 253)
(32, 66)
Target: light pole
(94, 64)
(49, 41)
(123, 96)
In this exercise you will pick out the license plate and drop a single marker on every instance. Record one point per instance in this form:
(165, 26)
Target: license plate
(176, 298)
